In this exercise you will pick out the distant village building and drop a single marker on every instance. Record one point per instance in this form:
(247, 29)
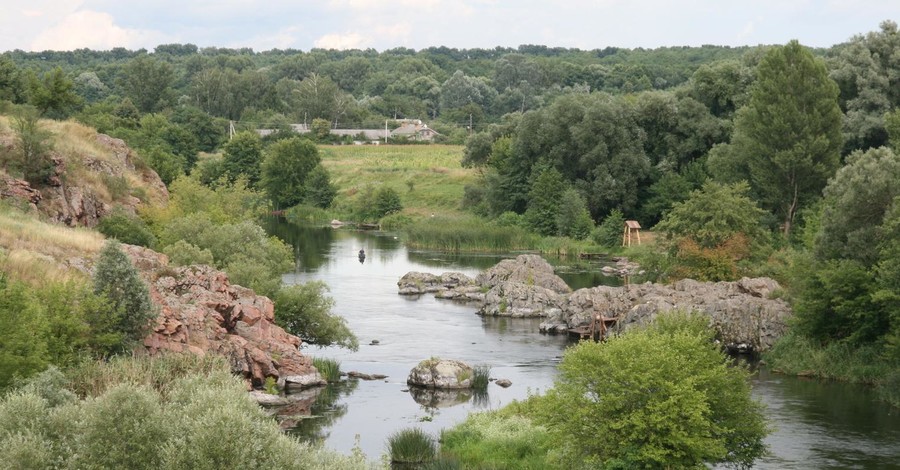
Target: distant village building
(414, 129)
(410, 129)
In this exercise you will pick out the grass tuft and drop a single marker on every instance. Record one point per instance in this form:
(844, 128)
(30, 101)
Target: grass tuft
(411, 446)
(329, 368)
(482, 378)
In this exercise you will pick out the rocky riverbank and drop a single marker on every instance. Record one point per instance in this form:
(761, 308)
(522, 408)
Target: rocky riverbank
(201, 312)
(744, 313)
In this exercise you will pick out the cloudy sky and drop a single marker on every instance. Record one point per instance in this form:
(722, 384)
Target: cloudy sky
(35, 25)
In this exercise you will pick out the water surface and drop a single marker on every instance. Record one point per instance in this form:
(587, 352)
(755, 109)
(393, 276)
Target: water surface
(817, 424)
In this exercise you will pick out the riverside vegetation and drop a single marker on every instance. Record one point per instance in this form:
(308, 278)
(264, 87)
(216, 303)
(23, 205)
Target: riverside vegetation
(561, 146)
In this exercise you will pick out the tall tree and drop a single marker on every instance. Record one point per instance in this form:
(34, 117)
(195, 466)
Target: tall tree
(243, 156)
(787, 140)
(147, 81)
(53, 94)
(867, 71)
(285, 169)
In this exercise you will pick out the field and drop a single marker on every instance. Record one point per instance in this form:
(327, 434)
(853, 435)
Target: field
(428, 178)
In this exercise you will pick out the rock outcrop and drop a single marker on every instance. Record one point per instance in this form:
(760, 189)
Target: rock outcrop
(85, 199)
(743, 313)
(202, 313)
(442, 374)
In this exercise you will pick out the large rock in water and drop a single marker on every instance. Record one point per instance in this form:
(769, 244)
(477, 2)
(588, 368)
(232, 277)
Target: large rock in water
(441, 374)
(743, 313)
(202, 313)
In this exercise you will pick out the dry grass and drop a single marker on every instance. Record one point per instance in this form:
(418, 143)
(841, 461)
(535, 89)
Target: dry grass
(36, 251)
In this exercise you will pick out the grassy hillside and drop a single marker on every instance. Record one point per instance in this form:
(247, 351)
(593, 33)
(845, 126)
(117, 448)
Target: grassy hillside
(428, 178)
(95, 163)
(36, 251)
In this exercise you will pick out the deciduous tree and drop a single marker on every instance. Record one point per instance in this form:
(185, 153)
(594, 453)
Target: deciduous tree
(787, 140)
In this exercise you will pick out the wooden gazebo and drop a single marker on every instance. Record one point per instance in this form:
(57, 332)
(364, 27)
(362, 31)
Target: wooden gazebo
(632, 230)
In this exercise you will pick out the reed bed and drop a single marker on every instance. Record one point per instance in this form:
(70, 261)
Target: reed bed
(456, 234)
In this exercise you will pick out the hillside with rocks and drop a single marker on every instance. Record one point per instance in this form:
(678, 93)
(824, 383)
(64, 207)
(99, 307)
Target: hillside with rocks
(91, 174)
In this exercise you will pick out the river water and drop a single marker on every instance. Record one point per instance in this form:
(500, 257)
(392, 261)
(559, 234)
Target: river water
(816, 424)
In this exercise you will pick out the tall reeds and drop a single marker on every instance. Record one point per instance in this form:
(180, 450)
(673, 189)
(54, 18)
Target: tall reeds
(467, 234)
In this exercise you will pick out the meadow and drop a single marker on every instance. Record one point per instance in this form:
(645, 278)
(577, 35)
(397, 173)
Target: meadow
(429, 178)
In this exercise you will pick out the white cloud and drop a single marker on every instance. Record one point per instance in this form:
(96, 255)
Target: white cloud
(746, 31)
(343, 41)
(93, 30)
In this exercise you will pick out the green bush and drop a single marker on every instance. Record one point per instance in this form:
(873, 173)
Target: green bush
(663, 396)
(609, 233)
(23, 329)
(126, 228)
(501, 441)
(387, 201)
(411, 446)
(117, 279)
(170, 413)
(304, 310)
(182, 253)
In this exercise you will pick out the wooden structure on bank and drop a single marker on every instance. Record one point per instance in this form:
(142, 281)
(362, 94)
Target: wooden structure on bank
(598, 330)
(632, 231)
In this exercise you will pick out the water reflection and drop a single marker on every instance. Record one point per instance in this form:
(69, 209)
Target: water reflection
(322, 410)
(431, 398)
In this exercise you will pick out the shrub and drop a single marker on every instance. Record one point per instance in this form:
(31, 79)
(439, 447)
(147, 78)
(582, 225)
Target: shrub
(609, 233)
(23, 328)
(411, 446)
(117, 279)
(126, 228)
(387, 201)
(182, 253)
(304, 310)
(499, 440)
(663, 396)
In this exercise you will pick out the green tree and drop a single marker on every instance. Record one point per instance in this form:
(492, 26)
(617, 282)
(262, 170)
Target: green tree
(147, 82)
(856, 202)
(847, 293)
(117, 279)
(319, 190)
(53, 94)
(23, 327)
(33, 144)
(662, 397)
(126, 228)
(12, 85)
(544, 202)
(609, 233)
(243, 156)
(787, 140)
(892, 125)
(387, 201)
(868, 74)
(320, 129)
(714, 214)
(573, 218)
(304, 310)
(287, 165)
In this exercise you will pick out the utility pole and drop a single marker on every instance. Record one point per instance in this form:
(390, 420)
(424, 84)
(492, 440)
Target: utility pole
(385, 131)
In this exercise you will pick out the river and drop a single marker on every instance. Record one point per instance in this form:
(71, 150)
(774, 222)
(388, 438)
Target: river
(816, 424)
